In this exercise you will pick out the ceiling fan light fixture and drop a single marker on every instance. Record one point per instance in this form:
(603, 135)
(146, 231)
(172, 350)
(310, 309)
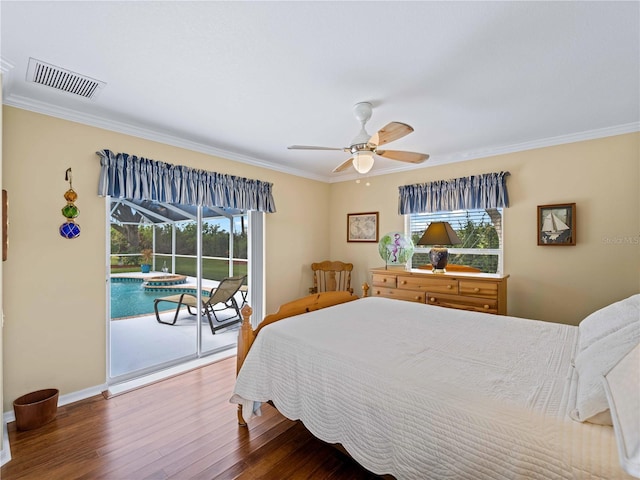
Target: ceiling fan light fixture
(363, 162)
(364, 145)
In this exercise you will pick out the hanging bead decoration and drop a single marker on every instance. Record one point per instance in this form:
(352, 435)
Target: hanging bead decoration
(70, 229)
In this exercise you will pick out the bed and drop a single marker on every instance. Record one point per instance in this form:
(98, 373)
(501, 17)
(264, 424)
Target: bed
(417, 391)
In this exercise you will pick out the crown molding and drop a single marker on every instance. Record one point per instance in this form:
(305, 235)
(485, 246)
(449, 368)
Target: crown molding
(148, 134)
(543, 143)
(5, 65)
(435, 160)
(136, 131)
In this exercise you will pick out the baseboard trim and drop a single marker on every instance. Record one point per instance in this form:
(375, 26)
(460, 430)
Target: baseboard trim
(65, 399)
(8, 417)
(5, 453)
(109, 391)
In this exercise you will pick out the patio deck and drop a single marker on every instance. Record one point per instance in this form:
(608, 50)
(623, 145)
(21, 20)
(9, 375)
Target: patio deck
(139, 343)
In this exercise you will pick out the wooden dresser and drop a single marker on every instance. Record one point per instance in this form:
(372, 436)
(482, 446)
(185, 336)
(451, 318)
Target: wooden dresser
(479, 292)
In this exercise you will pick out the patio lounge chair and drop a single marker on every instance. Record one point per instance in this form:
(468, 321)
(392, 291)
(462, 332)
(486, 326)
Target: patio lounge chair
(221, 298)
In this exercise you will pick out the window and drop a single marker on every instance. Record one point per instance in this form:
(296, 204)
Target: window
(480, 232)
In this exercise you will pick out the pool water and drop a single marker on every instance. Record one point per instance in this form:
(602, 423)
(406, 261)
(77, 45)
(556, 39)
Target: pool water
(129, 299)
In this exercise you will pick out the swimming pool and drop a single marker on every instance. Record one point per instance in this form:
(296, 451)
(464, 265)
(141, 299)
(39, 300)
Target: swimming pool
(129, 298)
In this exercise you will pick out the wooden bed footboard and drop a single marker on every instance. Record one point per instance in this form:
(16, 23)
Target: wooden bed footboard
(247, 333)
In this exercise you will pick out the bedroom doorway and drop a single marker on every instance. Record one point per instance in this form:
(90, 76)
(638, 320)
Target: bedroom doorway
(157, 250)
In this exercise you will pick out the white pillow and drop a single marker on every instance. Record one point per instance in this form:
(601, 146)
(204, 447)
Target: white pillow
(592, 364)
(607, 320)
(622, 386)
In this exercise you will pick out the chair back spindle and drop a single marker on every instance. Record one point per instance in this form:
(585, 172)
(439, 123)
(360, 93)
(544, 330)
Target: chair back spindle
(331, 276)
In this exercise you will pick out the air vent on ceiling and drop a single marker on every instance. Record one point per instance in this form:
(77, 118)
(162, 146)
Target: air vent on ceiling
(62, 79)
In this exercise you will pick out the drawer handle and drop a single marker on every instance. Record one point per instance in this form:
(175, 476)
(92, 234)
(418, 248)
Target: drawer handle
(449, 287)
(418, 297)
(432, 299)
(486, 307)
(384, 280)
(377, 292)
(403, 282)
(476, 289)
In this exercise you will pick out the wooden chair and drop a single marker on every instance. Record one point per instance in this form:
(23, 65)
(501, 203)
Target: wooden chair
(331, 276)
(220, 298)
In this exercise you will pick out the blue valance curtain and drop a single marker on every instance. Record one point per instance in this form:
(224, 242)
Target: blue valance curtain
(127, 176)
(488, 190)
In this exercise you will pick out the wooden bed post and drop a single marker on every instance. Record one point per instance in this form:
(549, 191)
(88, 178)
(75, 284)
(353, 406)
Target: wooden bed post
(246, 336)
(247, 333)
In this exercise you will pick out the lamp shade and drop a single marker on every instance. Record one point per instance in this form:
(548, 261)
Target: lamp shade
(439, 233)
(363, 161)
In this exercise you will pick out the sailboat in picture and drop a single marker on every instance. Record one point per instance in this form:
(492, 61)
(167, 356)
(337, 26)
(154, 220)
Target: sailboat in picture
(556, 224)
(553, 227)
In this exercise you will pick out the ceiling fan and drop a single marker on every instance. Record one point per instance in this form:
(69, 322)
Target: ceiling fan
(363, 146)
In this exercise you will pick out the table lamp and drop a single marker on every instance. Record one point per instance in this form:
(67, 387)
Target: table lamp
(438, 234)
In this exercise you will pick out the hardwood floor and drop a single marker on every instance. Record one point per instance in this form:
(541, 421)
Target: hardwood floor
(181, 428)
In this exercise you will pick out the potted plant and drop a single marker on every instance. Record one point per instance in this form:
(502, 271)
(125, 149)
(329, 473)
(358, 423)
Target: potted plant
(147, 258)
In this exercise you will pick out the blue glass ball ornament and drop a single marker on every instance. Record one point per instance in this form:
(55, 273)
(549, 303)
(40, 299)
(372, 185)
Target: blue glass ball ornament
(70, 230)
(395, 248)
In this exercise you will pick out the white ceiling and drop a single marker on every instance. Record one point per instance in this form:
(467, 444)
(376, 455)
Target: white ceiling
(244, 80)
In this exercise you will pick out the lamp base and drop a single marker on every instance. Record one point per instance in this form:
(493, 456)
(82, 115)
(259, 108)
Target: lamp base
(439, 257)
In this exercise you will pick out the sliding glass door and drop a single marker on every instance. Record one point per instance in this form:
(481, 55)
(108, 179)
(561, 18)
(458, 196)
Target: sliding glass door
(164, 261)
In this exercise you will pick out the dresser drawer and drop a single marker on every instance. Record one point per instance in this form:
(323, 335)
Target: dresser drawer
(482, 292)
(407, 295)
(429, 284)
(384, 280)
(478, 289)
(486, 305)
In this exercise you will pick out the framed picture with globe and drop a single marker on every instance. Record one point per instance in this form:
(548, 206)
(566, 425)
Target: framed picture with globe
(362, 227)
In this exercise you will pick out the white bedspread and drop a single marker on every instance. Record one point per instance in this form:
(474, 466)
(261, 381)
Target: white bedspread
(422, 392)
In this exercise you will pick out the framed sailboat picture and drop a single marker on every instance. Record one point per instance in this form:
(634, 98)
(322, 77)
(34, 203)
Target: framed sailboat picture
(557, 224)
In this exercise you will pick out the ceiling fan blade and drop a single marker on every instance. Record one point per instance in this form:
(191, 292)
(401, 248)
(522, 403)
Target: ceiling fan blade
(310, 147)
(389, 133)
(343, 166)
(410, 157)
